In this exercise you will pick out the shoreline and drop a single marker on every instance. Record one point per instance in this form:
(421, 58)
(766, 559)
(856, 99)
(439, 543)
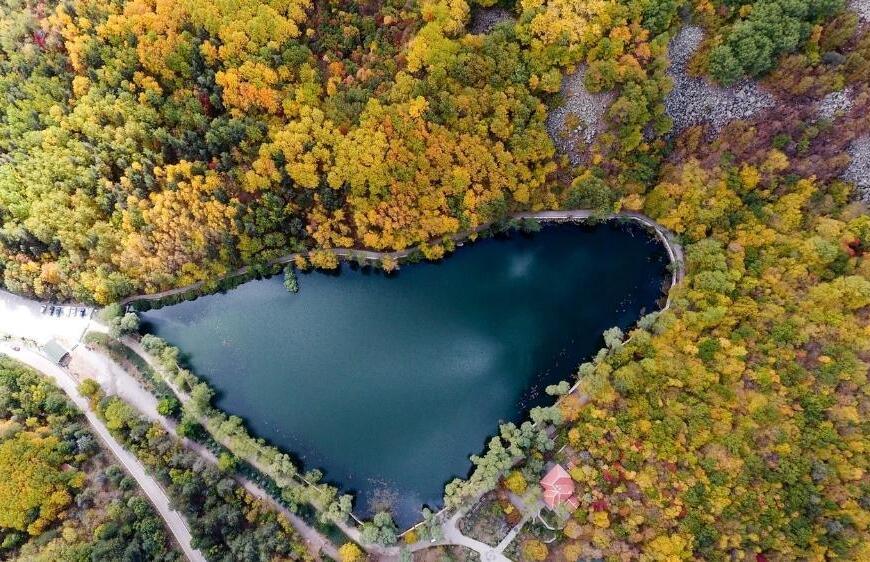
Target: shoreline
(665, 237)
(638, 227)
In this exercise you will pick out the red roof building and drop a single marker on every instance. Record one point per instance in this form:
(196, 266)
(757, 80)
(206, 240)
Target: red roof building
(559, 488)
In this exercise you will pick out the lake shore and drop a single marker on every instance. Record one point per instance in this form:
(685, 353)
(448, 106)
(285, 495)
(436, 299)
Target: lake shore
(246, 273)
(499, 321)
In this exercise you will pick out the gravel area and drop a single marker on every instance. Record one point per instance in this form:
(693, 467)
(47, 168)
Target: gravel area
(862, 8)
(835, 103)
(858, 171)
(574, 124)
(449, 553)
(694, 101)
(485, 522)
(484, 19)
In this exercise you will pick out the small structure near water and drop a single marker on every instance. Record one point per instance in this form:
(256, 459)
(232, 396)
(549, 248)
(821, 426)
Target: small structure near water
(559, 488)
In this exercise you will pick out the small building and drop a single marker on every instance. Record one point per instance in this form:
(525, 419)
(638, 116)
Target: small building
(559, 488)
(56, 352)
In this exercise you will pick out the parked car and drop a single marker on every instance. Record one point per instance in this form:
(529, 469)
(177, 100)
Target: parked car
(44, 307)
(51, 311)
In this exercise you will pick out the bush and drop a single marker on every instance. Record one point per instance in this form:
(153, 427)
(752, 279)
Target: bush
(89, 388)
(123, 325)
(349, 552)
(535, 550)
(515, 482)
(227, 462)
(169, 406)
(189, 428)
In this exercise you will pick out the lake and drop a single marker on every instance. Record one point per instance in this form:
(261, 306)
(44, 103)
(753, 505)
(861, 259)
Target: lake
(389, 382)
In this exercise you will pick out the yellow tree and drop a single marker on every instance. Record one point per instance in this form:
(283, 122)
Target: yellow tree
(34, 490)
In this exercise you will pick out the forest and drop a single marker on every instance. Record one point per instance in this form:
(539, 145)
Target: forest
(150, 144)
(61, 495)
(733, 424)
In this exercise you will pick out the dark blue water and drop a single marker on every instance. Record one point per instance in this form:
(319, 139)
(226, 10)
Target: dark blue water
(389, 383)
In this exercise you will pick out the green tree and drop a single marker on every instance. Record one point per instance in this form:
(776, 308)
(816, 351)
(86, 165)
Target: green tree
(169, 406)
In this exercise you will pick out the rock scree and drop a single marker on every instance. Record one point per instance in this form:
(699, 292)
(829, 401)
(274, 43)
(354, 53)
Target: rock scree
(574, 124)
(835, 103)
(862, 8)
(858, 172)
(484, 19)
(694, 101)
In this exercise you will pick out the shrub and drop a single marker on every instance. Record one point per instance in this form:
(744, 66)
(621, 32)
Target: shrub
(350, 552)
(515, 482)
(89, 388)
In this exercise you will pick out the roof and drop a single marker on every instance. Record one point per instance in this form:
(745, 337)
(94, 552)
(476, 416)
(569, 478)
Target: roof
(558, 488)
(55, 351)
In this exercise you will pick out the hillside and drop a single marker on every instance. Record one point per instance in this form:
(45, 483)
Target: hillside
(152, 144)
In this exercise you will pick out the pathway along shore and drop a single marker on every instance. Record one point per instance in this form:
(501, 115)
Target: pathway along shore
(667, 238)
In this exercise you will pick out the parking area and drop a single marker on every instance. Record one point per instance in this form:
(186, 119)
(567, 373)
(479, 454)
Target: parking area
(66, 311)
(33, 320)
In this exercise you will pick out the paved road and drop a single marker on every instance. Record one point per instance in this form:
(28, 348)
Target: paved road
(174, 521)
